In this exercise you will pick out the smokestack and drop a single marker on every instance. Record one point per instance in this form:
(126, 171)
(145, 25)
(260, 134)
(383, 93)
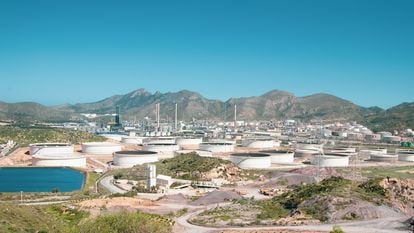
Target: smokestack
(158, 124)
(235, 117)
(157, 115)
(176, 117)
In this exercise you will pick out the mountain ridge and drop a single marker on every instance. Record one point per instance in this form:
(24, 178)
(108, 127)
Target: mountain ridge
(272, 105)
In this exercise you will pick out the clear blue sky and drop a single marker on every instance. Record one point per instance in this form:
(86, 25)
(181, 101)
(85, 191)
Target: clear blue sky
(56, 51)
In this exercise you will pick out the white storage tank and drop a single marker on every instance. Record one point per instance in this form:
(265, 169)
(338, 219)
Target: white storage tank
(331, 160)
(61, 160)
(201, 153)
(305, 149)
(258, 143)
(383, 157)
(217, 147)
(164, 150)
(251, 160)
(132, 158)
(159, 140)
(280, 156)
(406, 155)
(340, 150)
(132, 140)
(51, 148)
(188, 143)
(100, 148)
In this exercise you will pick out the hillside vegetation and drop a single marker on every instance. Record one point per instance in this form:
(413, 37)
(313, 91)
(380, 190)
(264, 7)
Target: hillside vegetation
(60, 219)
(24, 136)
(333, 199)
(186, 166)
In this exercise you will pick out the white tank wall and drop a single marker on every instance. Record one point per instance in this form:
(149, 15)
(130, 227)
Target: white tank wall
(246, 162)
(222, 141)
(280, 157)
(131, 160)
(217, 148)
(330, 161)
(304, 146)
(372, 151)
(51, 149)
(78, 161)
(131, 140)
(258, 144)
(383, 157)
(164, 150)
(342, 150)
(159, 140)
(406, 156)
(188, 141)
(100, 148)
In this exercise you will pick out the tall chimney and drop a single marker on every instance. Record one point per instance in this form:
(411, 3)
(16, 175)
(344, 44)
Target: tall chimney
(235, 117)
(158, 124)
(176, 117)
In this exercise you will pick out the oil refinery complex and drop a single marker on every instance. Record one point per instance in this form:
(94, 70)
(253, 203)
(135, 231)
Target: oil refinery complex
(271, 147)
(250, 145)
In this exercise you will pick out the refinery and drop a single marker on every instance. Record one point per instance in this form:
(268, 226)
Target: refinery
(257, 160)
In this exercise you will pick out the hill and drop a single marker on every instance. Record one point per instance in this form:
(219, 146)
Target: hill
(273, 105)
(25, 136)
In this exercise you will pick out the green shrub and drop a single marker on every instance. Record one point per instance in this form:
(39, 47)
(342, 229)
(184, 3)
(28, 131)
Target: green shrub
(127, 223)
(337, 229)
(372, 186)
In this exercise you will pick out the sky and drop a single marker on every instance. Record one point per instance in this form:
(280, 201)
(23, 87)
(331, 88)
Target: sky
(71, 51)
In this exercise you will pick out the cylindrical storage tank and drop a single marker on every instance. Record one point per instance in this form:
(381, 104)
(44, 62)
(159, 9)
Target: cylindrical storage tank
(306, 146)
(189, 143)
(132, 158)
(331, 160)
(164, 150)
(217, 147)
(159, 140)
(62, 160)
(258, 143)
(131, 140)
(304, 149)
(201, 153)
(51, 148)
(251, 160)
(406, 155)
(383, 158)
(336, 150)
(100, 148)
(221, 141)
(280, 156)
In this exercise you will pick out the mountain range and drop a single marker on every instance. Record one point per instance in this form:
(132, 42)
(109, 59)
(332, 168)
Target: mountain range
(272, 105)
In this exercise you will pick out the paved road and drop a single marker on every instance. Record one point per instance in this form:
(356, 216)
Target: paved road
(106, 182)
(384, 225)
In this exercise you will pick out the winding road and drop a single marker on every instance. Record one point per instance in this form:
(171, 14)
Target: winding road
(106, 182)
(384, 225)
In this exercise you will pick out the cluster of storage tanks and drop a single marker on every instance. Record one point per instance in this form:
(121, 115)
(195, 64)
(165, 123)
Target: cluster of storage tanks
(55, 155)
